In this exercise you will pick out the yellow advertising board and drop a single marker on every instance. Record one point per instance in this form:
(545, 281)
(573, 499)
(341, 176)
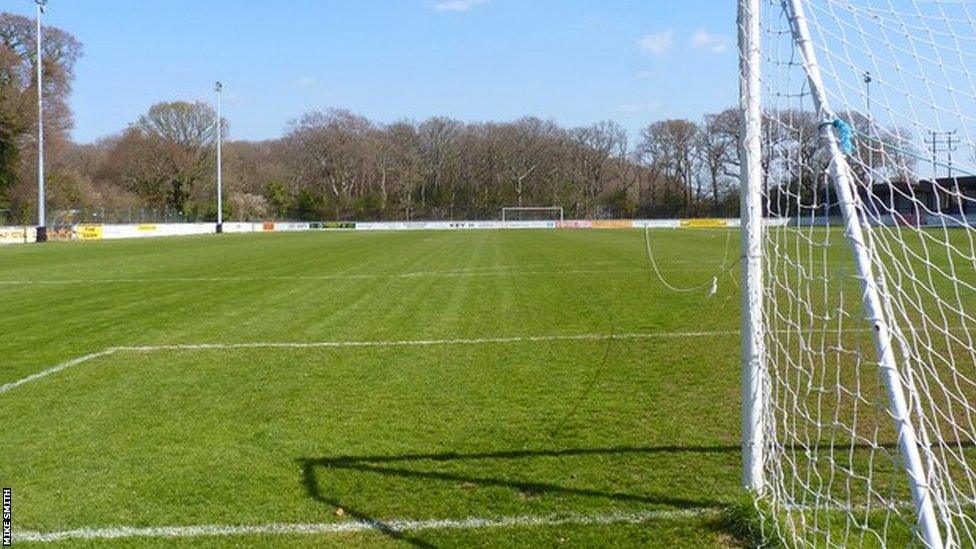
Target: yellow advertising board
(146, 228)
(90, 232)
(704, 223)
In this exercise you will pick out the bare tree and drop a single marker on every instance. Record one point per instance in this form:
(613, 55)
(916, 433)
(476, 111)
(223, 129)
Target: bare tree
(329, 146)
(670, 145)
(404, 163)
(18, 112)
(181, 136)
(598, 152)
(528, 145)
(439, 154)
(716, 147)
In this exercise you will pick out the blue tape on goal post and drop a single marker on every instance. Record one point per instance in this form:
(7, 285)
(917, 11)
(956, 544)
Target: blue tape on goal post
(845, 134)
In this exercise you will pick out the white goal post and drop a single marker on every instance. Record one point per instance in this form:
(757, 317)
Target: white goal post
(548, 213)
(858, 202)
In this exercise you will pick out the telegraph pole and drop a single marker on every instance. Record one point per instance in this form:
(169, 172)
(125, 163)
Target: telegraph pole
(942, 142)
(950, 148)
(867, 86)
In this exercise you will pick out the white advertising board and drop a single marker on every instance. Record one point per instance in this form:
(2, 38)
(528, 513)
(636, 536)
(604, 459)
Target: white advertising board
(17, 235)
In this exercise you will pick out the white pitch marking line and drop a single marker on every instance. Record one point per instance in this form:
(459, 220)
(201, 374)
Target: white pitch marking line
(420, 342)
(396, 526)
(391, 343)
(342, 344)
(265, 278)
(56, 369)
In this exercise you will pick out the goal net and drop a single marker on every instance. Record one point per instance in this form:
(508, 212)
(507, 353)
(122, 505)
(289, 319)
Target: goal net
(549, 213)
(859, 359)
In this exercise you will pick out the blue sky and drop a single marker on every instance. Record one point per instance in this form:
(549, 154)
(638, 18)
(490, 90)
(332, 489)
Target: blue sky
(575, 61)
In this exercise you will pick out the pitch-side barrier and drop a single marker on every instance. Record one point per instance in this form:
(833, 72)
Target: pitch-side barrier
(89, 231)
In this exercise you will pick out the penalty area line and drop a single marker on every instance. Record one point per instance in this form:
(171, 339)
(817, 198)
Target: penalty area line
(388, 526)
(353, 344)
(421, 342)
(55, 369)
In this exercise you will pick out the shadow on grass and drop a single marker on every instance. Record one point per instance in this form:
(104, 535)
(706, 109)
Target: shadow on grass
(395, 466)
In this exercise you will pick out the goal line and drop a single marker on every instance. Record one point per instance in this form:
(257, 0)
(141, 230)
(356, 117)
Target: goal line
(354, 526)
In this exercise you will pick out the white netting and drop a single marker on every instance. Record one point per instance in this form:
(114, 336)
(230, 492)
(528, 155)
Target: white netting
(897, 75)
(546, 213)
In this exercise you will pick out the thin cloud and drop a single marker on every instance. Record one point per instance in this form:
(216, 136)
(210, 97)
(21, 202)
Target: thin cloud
(639, 107)
(704, 40)
(657, 44)
(458, 5)
(309, 86)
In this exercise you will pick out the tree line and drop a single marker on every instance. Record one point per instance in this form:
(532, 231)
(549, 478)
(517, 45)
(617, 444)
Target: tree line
(337, 165)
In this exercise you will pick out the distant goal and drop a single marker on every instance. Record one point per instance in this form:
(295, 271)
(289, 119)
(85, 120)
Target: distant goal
(548, 213)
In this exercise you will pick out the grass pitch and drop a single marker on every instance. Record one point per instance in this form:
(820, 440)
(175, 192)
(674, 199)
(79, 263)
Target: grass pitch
(338, 379)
